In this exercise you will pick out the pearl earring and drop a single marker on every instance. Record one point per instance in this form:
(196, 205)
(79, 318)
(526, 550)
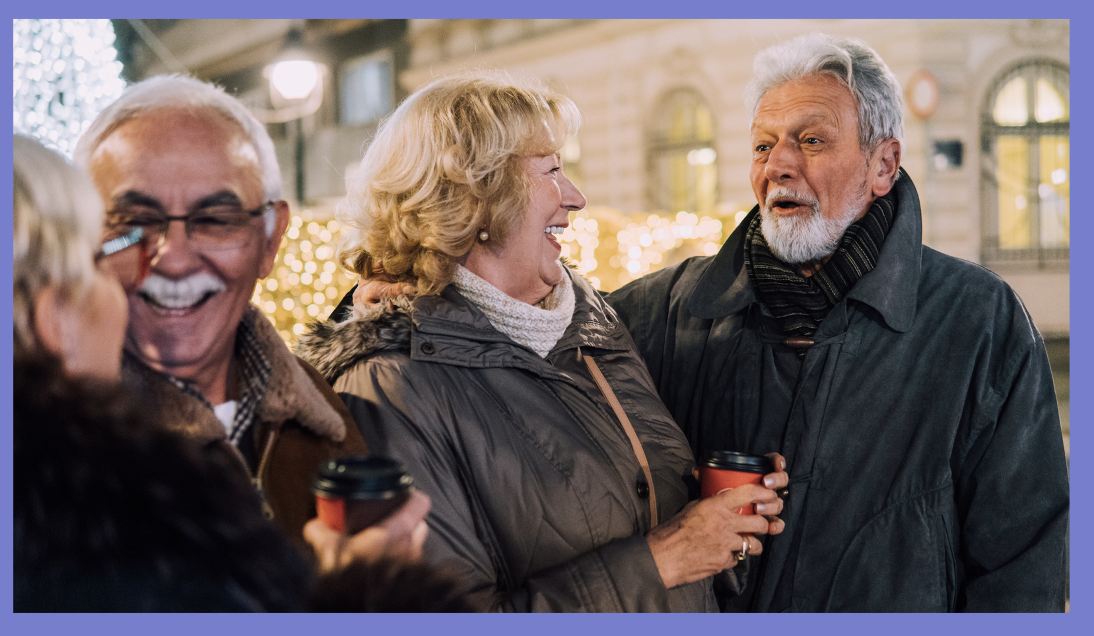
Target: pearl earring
(484, 236)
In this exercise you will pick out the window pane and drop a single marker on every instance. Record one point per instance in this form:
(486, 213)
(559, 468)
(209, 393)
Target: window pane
(1011, 173)
(366, 90)
(1054, 191)
(706, 188)
(1010, 106)
(680, 123)
(1051, 105)
(683, 158)
(678, 183)
(704, 126)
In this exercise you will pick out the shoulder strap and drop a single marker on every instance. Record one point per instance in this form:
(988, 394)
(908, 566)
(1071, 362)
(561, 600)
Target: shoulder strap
(636, 445)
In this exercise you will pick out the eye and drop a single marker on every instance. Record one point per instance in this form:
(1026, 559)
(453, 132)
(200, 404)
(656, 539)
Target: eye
(762, 147)
(139, 218)
(812, 140)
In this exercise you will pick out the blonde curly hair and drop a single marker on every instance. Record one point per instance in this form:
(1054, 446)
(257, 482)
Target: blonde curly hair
(442, 168)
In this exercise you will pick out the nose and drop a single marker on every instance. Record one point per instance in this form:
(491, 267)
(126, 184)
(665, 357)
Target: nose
(174, 256)
(783, 162)
(572, 199)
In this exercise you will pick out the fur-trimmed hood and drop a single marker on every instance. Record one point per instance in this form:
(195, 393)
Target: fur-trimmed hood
(446, 324)
(335, 347)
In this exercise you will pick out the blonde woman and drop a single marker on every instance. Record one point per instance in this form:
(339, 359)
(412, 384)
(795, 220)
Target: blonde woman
(65, 310)
(496, 384)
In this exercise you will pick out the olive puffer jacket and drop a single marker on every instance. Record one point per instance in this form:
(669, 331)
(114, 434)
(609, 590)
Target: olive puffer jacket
(538, 501)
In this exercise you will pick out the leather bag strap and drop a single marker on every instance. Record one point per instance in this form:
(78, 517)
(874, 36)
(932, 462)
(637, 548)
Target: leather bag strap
(636, 445)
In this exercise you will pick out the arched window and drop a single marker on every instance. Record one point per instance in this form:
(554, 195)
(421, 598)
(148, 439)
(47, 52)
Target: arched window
(682, 162)
(1026, 174)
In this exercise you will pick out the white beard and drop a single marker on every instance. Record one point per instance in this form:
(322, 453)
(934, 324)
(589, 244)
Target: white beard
(799, 239)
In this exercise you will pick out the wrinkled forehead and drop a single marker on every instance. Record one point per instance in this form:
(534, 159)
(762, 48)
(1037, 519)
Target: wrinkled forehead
(814, 100)
(179, 144)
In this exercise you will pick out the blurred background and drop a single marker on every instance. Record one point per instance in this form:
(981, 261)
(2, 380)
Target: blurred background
(663, 155)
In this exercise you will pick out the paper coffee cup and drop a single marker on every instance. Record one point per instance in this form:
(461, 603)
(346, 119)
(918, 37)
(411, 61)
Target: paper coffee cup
(722, 470)
(352, 493)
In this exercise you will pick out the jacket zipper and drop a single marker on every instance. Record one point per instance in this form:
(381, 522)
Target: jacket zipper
(260, 473)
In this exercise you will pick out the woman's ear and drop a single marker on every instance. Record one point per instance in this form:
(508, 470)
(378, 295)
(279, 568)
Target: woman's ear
(48, 320)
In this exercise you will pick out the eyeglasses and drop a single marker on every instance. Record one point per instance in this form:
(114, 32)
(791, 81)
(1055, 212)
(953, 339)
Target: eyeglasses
(215, 228)
(118, 244)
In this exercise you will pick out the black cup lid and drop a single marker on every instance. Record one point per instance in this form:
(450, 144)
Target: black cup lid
(362, 477)
(732, 460)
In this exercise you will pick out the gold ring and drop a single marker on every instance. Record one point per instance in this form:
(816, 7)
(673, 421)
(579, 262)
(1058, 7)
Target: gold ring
(744, 550)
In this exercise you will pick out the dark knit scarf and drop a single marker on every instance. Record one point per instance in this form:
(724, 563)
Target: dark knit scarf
(800, 303)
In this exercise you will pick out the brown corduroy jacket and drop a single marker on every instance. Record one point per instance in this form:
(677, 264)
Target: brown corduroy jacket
(299, 424)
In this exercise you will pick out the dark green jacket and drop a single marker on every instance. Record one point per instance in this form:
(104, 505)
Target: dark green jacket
(926, 462)
(538, 501)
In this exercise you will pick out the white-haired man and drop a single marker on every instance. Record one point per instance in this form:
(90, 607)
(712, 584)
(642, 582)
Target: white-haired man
(192, 167)
(908, 390)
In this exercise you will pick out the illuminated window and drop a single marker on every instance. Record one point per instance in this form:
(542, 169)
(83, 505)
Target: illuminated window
(367, 88)
(683, 164)
(1026, 180)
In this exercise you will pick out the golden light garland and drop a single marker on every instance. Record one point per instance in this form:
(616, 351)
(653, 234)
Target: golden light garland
(306, 282)
(609, 248)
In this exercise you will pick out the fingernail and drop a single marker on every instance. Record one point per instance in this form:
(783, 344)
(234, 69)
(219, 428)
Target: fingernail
(769, 482)
(762, 509)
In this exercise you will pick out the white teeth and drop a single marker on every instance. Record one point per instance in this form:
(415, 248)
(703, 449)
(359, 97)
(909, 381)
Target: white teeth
(183, 293)
(555, 229)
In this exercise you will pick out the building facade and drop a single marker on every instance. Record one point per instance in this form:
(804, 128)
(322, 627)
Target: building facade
(666, 130)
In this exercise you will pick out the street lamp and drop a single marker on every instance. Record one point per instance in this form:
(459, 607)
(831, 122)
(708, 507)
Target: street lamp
(296, 91)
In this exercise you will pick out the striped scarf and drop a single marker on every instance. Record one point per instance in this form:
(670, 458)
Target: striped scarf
(800, 303)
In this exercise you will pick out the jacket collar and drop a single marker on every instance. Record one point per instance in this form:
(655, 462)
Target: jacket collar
(890, 288)
(291, 395)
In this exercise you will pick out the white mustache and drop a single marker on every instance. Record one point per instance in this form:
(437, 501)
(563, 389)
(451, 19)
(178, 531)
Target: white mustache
(796, 197)
(181, 293)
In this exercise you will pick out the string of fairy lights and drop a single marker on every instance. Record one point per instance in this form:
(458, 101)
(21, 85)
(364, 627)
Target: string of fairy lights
(607, 247)
(65, 72)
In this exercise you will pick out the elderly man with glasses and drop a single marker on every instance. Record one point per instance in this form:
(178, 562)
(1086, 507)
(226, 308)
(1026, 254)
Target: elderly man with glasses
(176, 149)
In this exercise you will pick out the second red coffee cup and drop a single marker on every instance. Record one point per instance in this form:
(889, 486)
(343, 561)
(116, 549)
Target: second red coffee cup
(722, 470)
(352, 493)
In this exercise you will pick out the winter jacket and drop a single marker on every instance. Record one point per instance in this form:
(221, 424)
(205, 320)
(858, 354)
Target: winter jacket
(538, 501)
(927, 469)
(300, 424)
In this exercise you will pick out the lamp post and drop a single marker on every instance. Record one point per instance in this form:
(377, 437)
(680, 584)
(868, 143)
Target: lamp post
(296, 91)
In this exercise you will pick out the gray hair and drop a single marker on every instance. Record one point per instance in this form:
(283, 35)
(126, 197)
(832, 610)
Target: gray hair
(58, 220)
(188, 93)
(875, 89)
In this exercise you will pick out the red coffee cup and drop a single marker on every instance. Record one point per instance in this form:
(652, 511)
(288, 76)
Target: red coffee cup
(722, 470)
(352, 493)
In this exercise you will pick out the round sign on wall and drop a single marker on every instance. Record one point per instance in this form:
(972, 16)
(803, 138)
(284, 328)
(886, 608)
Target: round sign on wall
(921, 93)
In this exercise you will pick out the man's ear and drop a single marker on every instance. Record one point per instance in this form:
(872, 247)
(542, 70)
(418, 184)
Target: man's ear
(884, 165)
(273, 241)
(48, 321)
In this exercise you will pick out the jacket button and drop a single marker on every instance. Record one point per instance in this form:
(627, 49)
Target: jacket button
(428, 348)
(643, 489)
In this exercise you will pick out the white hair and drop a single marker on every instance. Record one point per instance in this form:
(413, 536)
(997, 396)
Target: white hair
(58, 221)
(187, 93)
(875, 89)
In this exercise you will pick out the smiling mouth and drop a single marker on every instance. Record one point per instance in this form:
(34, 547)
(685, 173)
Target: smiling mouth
(553, 232)
(175, 307)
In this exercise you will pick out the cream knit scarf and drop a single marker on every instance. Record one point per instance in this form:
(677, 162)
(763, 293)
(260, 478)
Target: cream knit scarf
(537, 327)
